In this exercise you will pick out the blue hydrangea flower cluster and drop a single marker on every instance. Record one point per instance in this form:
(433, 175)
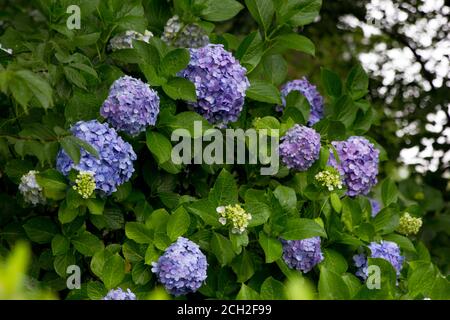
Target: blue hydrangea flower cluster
(358, 164)
(180, 35)
(182, 267)
(119, 294)
(302, 255)
(300, 147)
(30, 189)
(115, 163)
(386, 250)
(131, 105)
(311, 94)
(220, 84)
(376, 206)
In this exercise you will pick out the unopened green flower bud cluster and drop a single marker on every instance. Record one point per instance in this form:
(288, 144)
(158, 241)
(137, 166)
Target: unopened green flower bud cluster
(235, 214)
(409, 225)
(85, 184)
(329, 178)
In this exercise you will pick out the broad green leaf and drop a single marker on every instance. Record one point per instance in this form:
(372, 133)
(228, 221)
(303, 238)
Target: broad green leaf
(243, 266)
(138, 232)
(225, 190)
(60, 244)
(262, 11)
(389, 192)
(300, 228)
(331, 82)
(180, 89)
(40, 230)
(263, 91)
(357, 82)
(141, 273)
(332, 286)
(272, 247)
(296, 42)
(174, 61)
(113, 271)
(159, 146)
(272, 289)
(178, 223)
(222, 249)
(87, 244)
(247, 293)
(220, 10)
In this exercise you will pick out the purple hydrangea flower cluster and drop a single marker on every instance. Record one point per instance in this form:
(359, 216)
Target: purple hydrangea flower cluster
(300, 147)
(311, 94)
(386, 250)
(376, 206)
(119, 294)
(358, 164)
(131, 105)
(113, 167)
(220, 83)
(182, 267)
(302, 255)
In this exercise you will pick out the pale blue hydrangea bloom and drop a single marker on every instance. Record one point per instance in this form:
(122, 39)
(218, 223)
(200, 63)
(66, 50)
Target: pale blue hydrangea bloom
(119, 294)
(30, 189)
(302, 255)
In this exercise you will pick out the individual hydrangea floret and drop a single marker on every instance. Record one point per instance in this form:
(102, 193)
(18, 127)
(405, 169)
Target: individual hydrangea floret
(182, 267)
(30, 189)
(220, 84)
(311, 94)
(114, 165)
(236, 215)
(386, 250)
(131, 105)
(409, 225)
(300, 147)
(119, 294)
(85, 184)
(329, 178)
(376, 207)
(302, 255)
(358, 164)
(181, 35)
(125, 40)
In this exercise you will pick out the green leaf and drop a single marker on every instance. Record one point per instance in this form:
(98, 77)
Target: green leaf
(180, 88)
(299, 12)
(138, 232)
(386, 221)
(220, 10)
(300, 228)
(263, 91)
(113, 271)
(133, 252)
(331, 82)
(175, 61)
(87, 244)
(225, 190)
(287, 198)
(421, 279)
(297, 107)
(40, 88)
(262, 11)
(141, 274)
(40, 230)
(389, 192)
(151, 255)
(276, 69)
(71, 148)
(344, 110)
(296, 42)
(66, 213)
(61, 263)
(403, 242)
(60, 244)
(247, 293)
(272, 247)
(272, 289)
(96, 290)
(206, 210)
(96, 206)
(222, 249)
(250, 51)
(336, 202)
(75, 77)
(178, 223)
(332, 286)
(357, 82)
(82, 106)
(53, 184)
(159, 146)
(333, 260)
(98, 262)
(243, 266)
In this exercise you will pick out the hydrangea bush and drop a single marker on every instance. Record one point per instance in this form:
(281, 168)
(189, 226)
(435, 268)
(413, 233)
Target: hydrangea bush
(86, 174)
